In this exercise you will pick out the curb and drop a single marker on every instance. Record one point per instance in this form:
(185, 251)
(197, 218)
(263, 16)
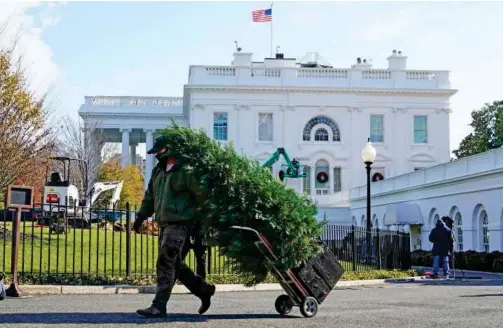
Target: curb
(180, 289)
(498, 274)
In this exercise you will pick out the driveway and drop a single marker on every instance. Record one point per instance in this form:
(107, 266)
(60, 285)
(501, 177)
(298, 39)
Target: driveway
(415, 305)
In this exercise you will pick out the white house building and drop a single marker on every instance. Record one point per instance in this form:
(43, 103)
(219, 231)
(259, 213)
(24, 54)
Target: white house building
(321, 115)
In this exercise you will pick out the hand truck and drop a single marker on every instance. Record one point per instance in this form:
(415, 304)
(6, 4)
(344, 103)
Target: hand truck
(300, 292)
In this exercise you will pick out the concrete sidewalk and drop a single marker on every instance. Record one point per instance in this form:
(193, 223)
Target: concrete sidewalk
(180, 289)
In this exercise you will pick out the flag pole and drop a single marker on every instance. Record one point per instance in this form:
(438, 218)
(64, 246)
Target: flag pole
(271, 49)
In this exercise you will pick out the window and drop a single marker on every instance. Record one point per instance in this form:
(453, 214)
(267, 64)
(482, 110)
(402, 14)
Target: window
(322, 170)
(307, 181)
(220, 126)
(376, 128)
(459, 232)
(377, 173)
(321, 135)
(484, 231)
(265, 127)
(337, 179)
(321, 120)
(420, 129)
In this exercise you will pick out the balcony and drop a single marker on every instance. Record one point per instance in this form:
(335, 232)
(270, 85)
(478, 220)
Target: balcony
(128, 101)
(132, 105)
(318, 77)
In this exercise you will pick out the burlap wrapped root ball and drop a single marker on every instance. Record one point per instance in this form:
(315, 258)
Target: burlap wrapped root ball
(239, 192)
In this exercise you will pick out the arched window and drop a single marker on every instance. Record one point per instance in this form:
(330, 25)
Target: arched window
(384, 225)
(363, 221)
(459, 233)
(354, 221)
(485, 235)
(321, 135)
(432, 218)
(321, 120)
(375, 222)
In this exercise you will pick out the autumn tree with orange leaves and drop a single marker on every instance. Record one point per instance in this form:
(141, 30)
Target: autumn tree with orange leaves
(132, 190)
(26, 140)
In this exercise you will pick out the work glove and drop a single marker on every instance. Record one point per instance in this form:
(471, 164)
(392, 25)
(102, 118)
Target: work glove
(137, 226)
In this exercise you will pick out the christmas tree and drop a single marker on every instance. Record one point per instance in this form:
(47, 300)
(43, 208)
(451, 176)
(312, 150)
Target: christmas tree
(239, 192)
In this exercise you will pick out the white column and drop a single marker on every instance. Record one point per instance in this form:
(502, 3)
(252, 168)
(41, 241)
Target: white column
(312, 181)
(125, 147)
(133, 154)
(331, 179)
(149, 159)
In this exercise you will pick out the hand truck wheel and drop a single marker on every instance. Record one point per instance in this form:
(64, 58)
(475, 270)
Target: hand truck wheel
(283, 304)
(309, 307)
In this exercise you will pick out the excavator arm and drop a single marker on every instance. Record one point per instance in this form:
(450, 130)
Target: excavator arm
(293, 168)
(273, 159)
(100, 187)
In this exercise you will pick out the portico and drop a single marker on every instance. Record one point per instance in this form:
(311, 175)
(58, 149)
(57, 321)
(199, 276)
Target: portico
(131, 121)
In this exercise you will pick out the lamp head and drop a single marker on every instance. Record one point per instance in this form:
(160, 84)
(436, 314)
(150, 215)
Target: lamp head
(368, 153)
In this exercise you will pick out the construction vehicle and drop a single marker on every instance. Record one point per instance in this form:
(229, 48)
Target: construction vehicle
(62, 202)
(291, 169)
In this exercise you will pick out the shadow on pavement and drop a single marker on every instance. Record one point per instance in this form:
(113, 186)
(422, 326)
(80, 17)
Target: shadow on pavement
(482, 295)
(452, 282)
(121, 317)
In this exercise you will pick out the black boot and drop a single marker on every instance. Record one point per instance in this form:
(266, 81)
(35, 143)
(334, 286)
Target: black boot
(151, 312)
(205, 299)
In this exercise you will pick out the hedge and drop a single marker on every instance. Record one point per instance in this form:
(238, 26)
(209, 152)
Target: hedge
(77, 280)
(468, 260)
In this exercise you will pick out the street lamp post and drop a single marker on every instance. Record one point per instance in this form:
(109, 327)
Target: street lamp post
(368, 155)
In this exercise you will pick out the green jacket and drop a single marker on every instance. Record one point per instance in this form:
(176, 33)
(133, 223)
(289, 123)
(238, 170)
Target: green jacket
(172, 195)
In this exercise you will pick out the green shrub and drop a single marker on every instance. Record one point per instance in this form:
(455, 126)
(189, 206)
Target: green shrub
(468, 260)
(89, 280)
(239, 192)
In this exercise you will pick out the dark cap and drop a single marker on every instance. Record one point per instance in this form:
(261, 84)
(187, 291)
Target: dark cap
(159, 143)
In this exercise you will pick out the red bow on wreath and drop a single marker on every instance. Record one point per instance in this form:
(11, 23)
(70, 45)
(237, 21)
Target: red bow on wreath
(322, 177)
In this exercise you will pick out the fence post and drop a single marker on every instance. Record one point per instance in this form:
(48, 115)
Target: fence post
(354, 250)
(13, 290)
(378, 248)
(128, 240)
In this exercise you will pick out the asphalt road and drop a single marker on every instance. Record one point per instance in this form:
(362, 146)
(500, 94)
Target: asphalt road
(413, 305)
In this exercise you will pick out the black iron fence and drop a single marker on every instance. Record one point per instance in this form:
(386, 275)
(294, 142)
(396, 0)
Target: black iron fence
(72, 240)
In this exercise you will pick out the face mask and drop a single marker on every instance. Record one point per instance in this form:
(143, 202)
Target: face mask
(163, 156)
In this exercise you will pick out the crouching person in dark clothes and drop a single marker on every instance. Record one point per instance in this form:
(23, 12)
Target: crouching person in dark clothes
(173, 195)
(441, 238)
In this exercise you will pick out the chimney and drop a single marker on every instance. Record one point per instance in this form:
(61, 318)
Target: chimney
(397, 61)
(362, 63)
(242, 59)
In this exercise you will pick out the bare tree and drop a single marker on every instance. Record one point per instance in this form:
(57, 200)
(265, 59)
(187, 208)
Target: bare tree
(85, 142)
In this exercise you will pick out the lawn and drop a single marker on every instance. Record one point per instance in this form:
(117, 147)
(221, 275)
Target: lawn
(90, 251)
(97, 252)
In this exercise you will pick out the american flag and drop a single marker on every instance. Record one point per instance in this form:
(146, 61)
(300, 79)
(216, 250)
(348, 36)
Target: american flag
(262, 15)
